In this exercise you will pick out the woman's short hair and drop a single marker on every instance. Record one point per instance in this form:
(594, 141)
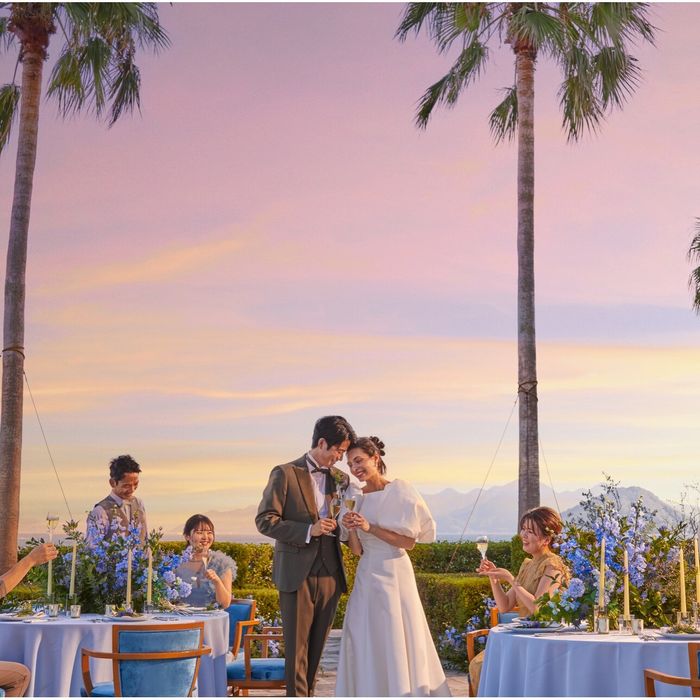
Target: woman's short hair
(371, 446)
(545, 519)
(194, 522)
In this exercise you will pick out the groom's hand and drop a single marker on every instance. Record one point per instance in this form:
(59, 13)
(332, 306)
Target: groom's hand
(323, 526)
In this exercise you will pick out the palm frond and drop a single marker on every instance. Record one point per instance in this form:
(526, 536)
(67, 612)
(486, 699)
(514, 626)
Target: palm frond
(97, 67)
(503, 121)
(6, 36)
(617, 75)
(125, 91)
(581, 108)
(66, 83)
(694, 257)
(539, 28)
(617, 22)
(446, 22)
(446, 91)
(9, 99)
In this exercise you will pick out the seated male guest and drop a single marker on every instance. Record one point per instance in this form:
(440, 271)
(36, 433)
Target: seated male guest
(14, 677)
(121, 508)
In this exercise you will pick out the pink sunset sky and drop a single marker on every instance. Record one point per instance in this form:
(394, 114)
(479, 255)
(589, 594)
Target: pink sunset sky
(273, 240)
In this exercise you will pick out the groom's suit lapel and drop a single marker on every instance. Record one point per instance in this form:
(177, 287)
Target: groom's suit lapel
(306, 487)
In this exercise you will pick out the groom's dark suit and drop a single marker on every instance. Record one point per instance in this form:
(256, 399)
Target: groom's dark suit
(309, 576)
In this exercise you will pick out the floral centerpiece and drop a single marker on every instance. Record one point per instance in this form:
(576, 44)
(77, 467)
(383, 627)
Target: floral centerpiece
(652, 552)
(101, 569)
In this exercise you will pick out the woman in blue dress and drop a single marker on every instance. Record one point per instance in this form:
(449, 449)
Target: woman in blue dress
(210, 572)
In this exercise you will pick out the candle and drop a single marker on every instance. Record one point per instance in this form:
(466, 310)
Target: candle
(51, 522)
(71, 591)
(601, 576)
(681, 565)
(149, 577)
(626, 589)
(697, 574)
(128, 578)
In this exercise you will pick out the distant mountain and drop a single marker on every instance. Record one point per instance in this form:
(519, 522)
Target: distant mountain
(496, 513)
(666, 514)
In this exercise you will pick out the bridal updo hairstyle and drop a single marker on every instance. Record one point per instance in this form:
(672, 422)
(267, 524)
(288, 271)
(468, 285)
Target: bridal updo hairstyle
(545, 520)
(371, 446)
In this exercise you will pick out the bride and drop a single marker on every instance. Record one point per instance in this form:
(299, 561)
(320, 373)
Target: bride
(386, 648)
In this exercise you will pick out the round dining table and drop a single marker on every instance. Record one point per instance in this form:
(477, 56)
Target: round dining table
(50, 647)
(578, 663)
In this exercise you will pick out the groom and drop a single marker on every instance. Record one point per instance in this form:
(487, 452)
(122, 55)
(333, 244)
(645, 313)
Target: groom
(307, 567)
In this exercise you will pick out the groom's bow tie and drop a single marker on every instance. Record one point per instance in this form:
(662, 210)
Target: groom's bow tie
(323, 470)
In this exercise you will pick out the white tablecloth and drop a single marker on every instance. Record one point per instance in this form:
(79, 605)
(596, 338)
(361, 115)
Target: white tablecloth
(556, 664)
(51, 649)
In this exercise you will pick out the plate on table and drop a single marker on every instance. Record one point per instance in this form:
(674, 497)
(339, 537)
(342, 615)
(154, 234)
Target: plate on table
(679, 636)
(128, 618)
(10, 617)
(525, 626)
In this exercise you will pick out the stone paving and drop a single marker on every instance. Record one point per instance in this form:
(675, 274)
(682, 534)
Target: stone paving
(325, 681)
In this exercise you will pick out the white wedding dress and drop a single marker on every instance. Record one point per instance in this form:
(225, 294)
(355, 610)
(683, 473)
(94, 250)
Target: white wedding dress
(386, 649)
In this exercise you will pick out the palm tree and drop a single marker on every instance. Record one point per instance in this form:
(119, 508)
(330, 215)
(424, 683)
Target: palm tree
(589, 41)
(95, 69)
(694, 257)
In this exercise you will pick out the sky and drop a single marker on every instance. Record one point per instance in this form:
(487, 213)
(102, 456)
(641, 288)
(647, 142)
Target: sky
(272, 239)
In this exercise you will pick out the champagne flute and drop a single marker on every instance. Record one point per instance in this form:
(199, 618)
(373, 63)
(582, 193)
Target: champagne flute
(350, 504)
(482, 544)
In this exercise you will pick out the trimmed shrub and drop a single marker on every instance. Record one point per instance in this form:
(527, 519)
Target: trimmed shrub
(435, 558)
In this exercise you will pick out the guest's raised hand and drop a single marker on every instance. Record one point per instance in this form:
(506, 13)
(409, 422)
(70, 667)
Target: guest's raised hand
(484, 566)
(323, 526)
(212, 575)
(43, 553)
(500, 575)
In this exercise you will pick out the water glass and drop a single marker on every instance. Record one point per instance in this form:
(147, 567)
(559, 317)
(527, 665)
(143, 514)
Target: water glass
(53, 609)
(637, 626)
(75, 610)
(110, 610)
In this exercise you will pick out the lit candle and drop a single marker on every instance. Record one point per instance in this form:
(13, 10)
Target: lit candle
(71, 591)
(149, 577)
(128, 578)
(684, 608)
(697, 574)
(626, 588)
(601, 576)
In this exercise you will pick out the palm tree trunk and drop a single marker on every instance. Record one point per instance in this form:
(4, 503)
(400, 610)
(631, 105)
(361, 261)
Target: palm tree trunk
(13, 329)
(529, 470)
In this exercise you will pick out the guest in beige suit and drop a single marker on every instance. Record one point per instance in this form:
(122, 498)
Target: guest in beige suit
(307, 567)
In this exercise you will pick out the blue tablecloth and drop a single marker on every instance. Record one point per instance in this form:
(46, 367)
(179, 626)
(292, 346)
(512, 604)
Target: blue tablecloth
(51, 649)
(578, 664)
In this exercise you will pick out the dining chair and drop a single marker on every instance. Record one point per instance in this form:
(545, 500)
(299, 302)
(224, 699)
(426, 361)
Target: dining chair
(264, 672)
(650, 676)
(497, 618)
(241, 616)
(149, 661)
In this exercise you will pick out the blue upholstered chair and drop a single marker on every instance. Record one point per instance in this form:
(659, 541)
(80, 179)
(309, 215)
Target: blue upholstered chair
(256, 673)
(241, 616)
(149, 660)
(693, 682)
(497, 618)
(2, 693)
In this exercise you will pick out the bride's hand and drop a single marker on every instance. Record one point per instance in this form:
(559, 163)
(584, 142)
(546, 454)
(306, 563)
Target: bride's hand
(349, 521)
(360, 522)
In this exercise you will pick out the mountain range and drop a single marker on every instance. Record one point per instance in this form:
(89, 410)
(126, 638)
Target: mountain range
(494, 512)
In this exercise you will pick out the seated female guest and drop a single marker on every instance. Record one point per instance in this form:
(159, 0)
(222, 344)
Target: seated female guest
(14, 677)
(544, 573)
(211, 573)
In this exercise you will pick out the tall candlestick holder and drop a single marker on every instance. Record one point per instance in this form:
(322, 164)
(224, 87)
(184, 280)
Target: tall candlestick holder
(624, 625)
(682, 618)
(696, 621)
(601, 621)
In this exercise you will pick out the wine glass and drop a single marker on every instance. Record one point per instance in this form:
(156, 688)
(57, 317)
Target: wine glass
(335, 507)
(350, 504)
(482, 544)
(51, 524)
